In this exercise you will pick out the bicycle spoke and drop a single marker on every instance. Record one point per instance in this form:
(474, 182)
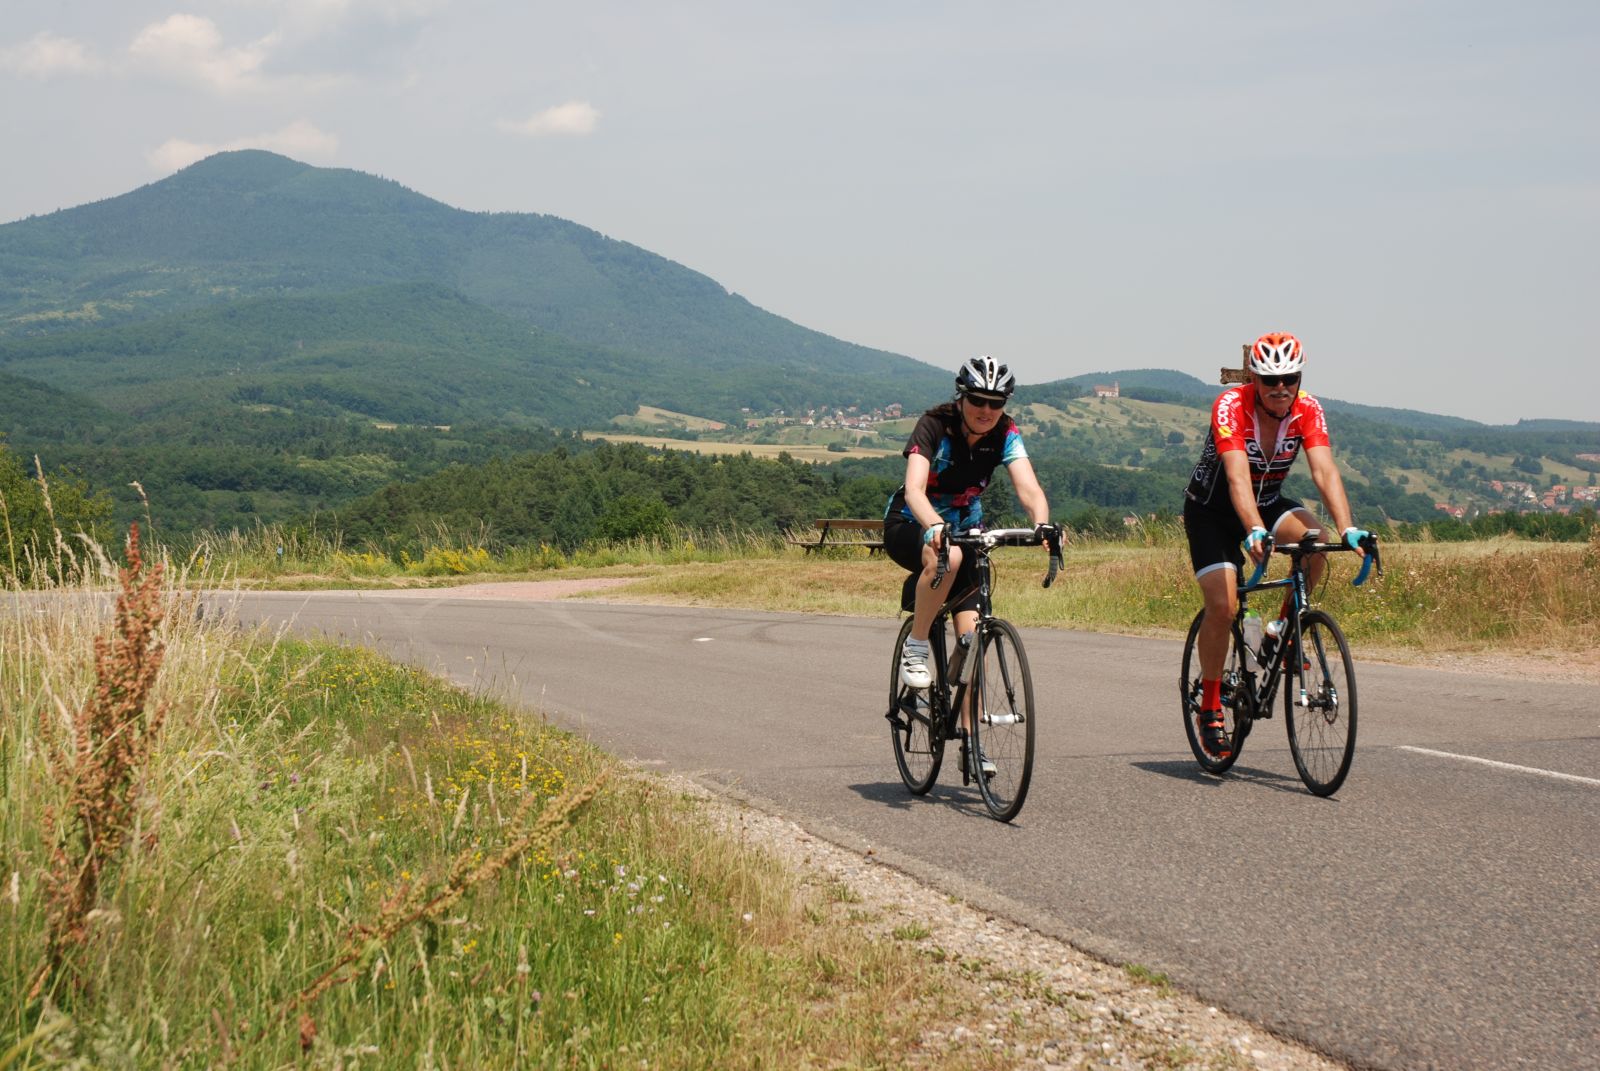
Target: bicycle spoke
(914, 726)
(1235, 703)
(1322, 732)
(1003, 720)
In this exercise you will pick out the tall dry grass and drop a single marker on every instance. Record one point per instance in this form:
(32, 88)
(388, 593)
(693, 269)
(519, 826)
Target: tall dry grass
(112, 737)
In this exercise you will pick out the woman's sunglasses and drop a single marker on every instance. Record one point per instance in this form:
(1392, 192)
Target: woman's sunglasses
(985, 403)
(1278, 381)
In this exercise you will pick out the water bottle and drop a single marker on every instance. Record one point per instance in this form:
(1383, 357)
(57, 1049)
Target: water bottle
(1252, 639)
(958, 660)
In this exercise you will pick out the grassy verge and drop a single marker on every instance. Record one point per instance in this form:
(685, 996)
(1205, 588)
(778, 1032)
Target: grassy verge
(1501, 596)
(322, 866)
(283, 558)
(1504, 595)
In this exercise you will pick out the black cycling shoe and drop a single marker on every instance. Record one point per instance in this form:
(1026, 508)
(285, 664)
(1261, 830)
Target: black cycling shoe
(1214, 736)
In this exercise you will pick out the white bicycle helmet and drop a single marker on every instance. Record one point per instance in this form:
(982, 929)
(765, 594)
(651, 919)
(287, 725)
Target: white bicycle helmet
(985, 375)
(1277, 353)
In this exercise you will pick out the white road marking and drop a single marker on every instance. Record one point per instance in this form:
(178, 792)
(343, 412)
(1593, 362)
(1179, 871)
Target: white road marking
(702, 639)
(1504, 765)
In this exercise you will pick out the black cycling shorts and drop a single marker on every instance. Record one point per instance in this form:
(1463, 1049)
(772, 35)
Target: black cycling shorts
(1215, 535)
(902, 539)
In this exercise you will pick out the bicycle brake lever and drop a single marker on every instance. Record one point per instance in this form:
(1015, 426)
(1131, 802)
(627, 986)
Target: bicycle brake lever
(943, 565)
(1370, 545)
(1052, 539)
(1261, 567)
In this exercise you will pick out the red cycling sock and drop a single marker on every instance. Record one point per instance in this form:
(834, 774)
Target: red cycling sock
(1210, 695)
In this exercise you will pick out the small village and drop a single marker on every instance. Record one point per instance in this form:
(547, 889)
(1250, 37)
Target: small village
(850, 417)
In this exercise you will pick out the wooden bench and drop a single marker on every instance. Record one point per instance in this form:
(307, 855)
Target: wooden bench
(851, 532)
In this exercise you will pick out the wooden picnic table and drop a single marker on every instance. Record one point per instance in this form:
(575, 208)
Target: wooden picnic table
(848, 532)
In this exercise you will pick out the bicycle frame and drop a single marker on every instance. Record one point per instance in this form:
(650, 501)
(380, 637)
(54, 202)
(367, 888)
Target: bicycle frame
(1293, 639)
(952, 696)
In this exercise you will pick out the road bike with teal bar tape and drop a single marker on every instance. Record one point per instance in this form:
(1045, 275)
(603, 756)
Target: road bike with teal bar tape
(1311, 660)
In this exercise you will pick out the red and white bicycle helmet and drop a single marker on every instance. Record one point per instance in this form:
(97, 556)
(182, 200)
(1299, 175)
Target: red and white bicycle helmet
(1277, 353)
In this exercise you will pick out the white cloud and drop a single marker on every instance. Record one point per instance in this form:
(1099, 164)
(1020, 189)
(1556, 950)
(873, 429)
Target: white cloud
(45, 55)
(300, 139)
(190, 47)
(573, 117)
(311, 18)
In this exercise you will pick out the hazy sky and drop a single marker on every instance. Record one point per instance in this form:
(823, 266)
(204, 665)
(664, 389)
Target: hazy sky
(1413, 188)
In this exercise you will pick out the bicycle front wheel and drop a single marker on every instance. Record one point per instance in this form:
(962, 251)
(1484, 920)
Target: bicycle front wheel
(1003, 722)
(914, 726)
(1236, 705)
(1322, 733)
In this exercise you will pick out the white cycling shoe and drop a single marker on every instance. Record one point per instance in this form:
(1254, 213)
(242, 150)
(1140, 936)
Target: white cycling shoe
(986, 765)
(914, 671)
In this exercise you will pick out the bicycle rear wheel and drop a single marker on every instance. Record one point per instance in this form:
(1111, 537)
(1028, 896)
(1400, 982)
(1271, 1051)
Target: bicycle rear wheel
(1236, 704)
(1003, 722)
(1322, 734)
(914, 724)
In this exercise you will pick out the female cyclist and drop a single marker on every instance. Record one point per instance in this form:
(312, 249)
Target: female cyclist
(953, 452)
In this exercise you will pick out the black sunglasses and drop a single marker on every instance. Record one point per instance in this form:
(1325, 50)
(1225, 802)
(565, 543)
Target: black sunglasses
(985, 403)
(1278, 381)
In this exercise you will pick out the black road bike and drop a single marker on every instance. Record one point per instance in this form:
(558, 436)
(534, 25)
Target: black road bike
(988, 677)
(1311, 660)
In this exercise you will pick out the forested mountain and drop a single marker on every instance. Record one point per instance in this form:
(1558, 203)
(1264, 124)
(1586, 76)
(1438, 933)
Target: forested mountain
(217, 335)
(254, 224)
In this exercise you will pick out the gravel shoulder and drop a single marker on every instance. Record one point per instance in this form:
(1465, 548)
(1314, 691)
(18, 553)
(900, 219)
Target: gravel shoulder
(1033, 1001)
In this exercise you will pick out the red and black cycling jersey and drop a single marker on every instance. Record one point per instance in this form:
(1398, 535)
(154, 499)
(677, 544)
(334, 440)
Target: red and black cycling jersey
(1234, 427)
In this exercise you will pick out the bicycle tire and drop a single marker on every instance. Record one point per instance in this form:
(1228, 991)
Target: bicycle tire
(1237, 727)
(918, 736)
(1322, 735)
(1004, 719)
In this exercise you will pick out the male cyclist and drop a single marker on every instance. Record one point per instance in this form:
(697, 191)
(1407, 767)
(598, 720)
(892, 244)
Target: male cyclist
(1257, 431)
(953, 451)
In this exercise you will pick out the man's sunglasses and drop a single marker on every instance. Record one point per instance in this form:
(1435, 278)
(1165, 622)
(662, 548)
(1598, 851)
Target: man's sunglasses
(985, 403)
(1278, 381)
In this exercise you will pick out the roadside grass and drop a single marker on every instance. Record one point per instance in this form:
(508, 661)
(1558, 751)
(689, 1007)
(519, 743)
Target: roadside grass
(1507, 596)
(301, 807)
(277, 557)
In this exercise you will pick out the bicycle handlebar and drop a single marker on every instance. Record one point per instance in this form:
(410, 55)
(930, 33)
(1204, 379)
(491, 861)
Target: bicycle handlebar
(1309, 545)
(986, 540)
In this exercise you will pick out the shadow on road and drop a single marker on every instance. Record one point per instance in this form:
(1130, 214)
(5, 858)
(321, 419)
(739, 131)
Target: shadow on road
(893, 794)
(1183, 770)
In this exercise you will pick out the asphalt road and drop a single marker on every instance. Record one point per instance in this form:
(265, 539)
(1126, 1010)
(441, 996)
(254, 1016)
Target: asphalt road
(1439, 912)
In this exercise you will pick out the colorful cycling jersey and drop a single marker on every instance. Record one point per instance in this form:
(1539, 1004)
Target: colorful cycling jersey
(1233, 427)
(957, 475)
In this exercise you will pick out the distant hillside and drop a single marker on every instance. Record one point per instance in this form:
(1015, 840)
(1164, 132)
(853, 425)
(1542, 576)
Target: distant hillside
(250, 223)
(32, 412)
(1165, 385)
(406, 353)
